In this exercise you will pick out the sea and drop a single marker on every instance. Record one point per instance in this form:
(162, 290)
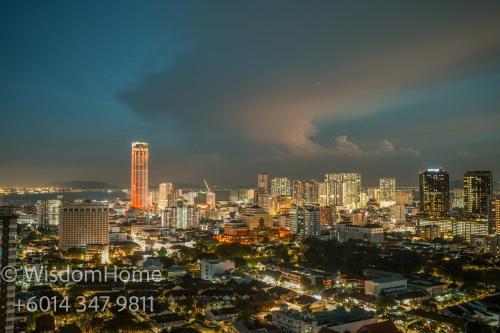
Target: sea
(30, 198)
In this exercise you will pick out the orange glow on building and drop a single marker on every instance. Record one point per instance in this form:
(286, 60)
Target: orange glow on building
(139, 186)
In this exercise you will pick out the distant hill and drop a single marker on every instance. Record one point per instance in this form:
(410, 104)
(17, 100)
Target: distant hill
(83, 184)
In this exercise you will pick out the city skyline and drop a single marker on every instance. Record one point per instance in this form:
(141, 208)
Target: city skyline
(380, 88)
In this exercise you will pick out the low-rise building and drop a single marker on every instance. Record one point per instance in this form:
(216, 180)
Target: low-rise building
(372, 233)
(210, 269)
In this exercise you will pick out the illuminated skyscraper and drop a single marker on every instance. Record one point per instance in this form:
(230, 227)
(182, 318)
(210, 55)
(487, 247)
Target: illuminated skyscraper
(387, 191)
(305, 192)
(333, 186)
(343, 189)
(434, 192)
(478, 187)
(139, 187)
(280, 187)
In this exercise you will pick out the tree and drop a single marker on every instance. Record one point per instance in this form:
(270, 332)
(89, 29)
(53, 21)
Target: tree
(383, 303)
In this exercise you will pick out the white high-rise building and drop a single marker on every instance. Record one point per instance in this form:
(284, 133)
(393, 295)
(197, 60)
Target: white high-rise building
(83, 223)
(280, 187)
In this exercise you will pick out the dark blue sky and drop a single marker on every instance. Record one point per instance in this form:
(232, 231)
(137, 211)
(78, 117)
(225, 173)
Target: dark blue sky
(224, 90)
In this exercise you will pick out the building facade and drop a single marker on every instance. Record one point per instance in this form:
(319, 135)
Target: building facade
(387, 194)
(434, 187)
(478, 188)
(8, 247)
(83, 223)
(139, 183)
(281, 187)
(306, 220)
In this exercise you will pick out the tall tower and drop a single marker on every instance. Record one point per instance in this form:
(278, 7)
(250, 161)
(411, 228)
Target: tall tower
(139, 187)
(478, 187)
(434, 192)
(8, 231)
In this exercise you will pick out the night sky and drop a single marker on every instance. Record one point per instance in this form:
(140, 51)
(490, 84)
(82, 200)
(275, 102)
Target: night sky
(224, 90)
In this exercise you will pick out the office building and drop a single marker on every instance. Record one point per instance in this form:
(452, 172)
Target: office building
(139, 184)
(387, 195)
(281, 187)
(434, 187)
(306, 220)
(8, 248)
(83, 223)
(478, 188)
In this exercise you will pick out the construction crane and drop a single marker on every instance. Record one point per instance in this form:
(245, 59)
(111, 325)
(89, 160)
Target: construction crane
(206, 185)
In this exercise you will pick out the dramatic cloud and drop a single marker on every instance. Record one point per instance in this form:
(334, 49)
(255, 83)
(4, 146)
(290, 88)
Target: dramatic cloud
(270, 76)
(345, 148)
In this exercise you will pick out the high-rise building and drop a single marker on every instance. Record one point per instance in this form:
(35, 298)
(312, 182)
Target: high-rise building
(478, 188)
(457, 198)
(262, 183)
(403, 197)
(494, 216)
(351, 190)
(8, 220)
(387, 191)
(306, 220)
(280, 187)
(434, 187)
(164, 190)
(182, 216)
(343, 189)
(48, 212)
(83, 223)
(305, 192)
(333, 185)
(139, 186)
